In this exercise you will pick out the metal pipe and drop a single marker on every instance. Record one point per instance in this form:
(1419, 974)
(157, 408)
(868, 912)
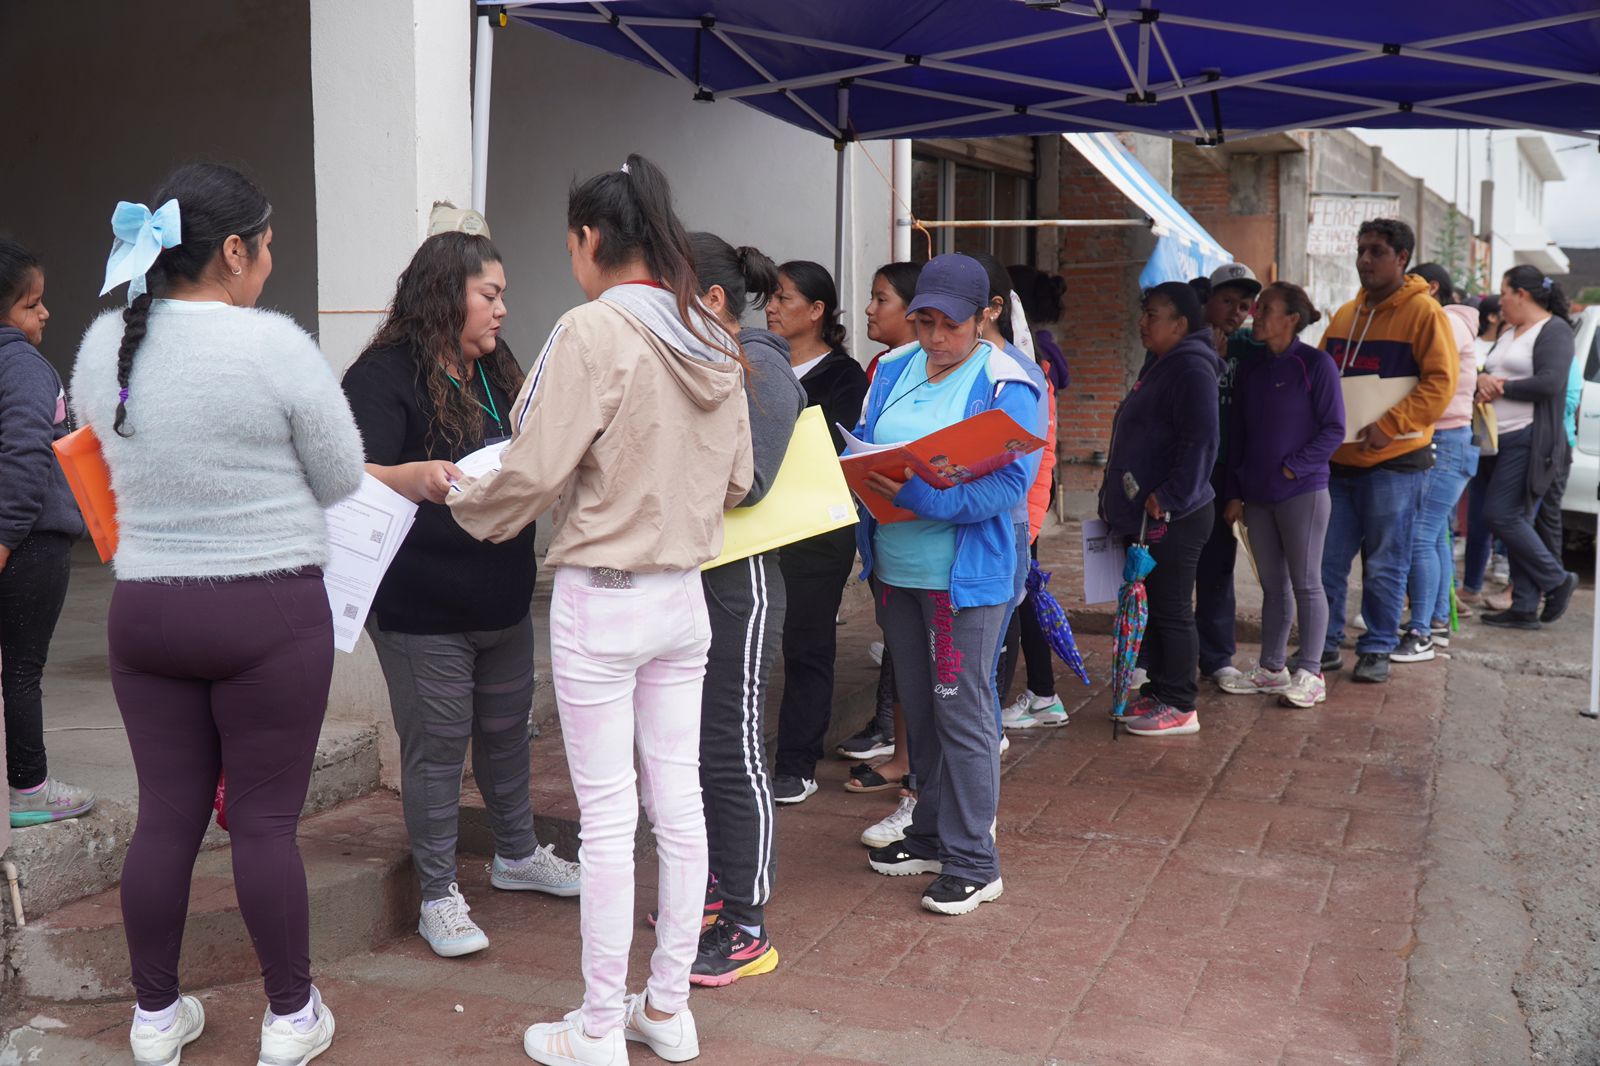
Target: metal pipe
(1035, 223)
(10, 870)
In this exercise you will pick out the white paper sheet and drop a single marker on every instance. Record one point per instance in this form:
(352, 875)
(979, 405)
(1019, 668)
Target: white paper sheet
(485, 460)
(364, 532)
(1103, 556)
(854, 445)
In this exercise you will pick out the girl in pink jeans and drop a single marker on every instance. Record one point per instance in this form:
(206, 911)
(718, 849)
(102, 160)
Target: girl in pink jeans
(633, 423)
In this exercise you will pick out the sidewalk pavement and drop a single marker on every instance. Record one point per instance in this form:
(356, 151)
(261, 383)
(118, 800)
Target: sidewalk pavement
(1246, 895)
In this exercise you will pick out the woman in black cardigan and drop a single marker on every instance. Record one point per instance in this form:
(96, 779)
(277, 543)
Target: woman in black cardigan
(1526, 381)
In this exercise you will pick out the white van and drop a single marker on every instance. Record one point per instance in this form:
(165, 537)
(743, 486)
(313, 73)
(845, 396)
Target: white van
(1582, 500)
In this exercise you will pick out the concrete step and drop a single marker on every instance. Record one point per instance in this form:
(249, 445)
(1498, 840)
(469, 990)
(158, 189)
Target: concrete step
(362, 893)
(71, 860)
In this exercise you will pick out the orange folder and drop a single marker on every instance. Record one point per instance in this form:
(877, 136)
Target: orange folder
(967, 450)
(90, 481)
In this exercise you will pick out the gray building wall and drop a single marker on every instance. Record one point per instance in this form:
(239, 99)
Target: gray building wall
(94, 119)
(1342, 162)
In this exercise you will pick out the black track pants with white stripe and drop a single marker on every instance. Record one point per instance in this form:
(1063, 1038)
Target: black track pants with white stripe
(746, 602)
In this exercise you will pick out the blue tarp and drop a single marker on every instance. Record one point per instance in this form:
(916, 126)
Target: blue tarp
(1189, 70)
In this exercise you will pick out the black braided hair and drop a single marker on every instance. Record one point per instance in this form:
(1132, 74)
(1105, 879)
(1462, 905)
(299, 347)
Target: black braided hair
(215, 202)
(135, 321)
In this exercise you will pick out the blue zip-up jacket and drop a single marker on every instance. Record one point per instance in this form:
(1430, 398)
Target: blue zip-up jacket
(1039, 425)
(1165, 434)
(34, 497)
(985, 569)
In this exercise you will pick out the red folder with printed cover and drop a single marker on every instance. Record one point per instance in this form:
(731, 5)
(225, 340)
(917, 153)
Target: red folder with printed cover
(967, 450)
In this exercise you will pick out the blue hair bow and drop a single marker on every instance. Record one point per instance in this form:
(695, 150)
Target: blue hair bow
(140, 236)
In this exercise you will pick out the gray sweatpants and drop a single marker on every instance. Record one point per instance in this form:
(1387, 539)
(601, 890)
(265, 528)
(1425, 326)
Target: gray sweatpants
(444, 691)
(944, 670)
(1286, 539)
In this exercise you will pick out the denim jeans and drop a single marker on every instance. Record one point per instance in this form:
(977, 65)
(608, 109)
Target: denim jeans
(629, 666)
(1455, 460)
(1373, 515)
(1480, 541)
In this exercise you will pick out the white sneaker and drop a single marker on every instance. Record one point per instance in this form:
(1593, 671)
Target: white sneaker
(1005, 743)
(1228, 675)
(875, 650)
(892, 829)
(155, 1047)
(284, 1045)
(543, 871)
(1258, 680)
(1140, 678)
(1305, 690)
(447, 929)
(564, 1043)
(1360, 622)
(676, 1039)
(1030, 711)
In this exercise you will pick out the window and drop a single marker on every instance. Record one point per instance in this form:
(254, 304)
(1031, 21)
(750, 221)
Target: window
(945, 189)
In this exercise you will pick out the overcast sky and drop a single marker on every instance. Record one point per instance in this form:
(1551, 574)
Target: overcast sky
(1571, 207)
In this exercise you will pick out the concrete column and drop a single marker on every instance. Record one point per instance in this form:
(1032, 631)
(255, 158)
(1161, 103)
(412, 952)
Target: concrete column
(1294, 217)
(1047, 200)
(1376, 179)
(393, 133)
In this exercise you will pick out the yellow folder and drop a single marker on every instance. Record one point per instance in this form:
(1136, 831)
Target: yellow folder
(807, 497)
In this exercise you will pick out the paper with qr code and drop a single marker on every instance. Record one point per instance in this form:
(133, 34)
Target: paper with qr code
(365, 530)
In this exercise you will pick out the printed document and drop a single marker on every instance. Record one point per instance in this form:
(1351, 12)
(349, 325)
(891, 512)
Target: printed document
(365, 530)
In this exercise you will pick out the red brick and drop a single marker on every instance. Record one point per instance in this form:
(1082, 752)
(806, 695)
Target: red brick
(1354, 980)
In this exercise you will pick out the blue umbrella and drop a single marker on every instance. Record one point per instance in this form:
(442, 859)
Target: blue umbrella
(1053, 620)
(1133, 612)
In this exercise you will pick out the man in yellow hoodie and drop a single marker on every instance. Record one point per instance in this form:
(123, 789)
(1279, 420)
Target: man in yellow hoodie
(1392, 332)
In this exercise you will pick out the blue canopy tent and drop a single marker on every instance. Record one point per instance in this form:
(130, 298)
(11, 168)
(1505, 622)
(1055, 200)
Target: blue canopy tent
(1203, 73)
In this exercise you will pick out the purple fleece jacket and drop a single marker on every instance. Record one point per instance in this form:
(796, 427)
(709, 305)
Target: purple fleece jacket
(1165, 436)
(1287, 412)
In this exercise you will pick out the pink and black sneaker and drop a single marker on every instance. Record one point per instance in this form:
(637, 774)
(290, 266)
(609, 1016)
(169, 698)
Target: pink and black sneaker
(713, 905)
(729, 952)
(1159, 720)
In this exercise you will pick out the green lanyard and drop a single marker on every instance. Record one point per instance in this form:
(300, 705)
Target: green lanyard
(490, 409)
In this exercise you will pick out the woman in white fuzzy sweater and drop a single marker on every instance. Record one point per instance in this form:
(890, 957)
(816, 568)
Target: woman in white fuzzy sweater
(226, 435)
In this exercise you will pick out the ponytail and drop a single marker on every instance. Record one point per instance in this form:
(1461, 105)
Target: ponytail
(217, 202)
(746, 275)
(631, 210)
(999, 289)
(1544, 291)
(813, 282)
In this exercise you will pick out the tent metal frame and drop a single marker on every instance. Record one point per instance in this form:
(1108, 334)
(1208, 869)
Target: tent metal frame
(1097, 18)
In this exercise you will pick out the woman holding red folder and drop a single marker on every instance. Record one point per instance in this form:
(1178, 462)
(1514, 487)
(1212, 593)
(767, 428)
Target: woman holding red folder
(945, 580)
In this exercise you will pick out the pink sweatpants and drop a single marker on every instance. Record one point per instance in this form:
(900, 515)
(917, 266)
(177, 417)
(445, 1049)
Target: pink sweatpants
(628, 667)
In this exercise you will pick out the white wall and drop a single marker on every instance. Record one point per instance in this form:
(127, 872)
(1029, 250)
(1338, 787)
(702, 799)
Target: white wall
(90, 123)
(563, 112)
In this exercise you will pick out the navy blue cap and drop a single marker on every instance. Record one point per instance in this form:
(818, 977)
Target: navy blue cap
(955, 284)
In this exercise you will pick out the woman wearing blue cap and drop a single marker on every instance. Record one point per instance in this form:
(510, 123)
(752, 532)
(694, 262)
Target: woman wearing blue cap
(946, 580)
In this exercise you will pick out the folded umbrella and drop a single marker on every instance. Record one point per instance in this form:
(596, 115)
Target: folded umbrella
(1053, 620)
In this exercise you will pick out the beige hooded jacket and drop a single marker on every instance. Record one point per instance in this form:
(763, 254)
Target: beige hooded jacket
(634, 428)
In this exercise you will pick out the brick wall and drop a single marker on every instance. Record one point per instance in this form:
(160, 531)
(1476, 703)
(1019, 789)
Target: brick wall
(1099, 328)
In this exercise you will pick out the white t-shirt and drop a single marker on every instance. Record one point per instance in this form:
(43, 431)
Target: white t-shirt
(805, 368)
(1512, 359)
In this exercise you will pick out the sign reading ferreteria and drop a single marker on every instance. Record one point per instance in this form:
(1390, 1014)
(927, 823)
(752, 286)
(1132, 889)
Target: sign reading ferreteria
(1335, 218)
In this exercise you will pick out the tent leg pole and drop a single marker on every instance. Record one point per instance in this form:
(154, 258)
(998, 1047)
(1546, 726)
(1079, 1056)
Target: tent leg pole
(1593, 710)
(839, 216)
(482, 80)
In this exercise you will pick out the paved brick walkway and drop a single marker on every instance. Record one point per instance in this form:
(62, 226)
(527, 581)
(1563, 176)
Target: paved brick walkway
(1242, 896)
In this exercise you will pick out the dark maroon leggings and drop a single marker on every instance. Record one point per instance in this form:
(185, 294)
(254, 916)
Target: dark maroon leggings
(210, 676)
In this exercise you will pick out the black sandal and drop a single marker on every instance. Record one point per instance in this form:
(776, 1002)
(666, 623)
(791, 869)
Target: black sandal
(864, 778)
